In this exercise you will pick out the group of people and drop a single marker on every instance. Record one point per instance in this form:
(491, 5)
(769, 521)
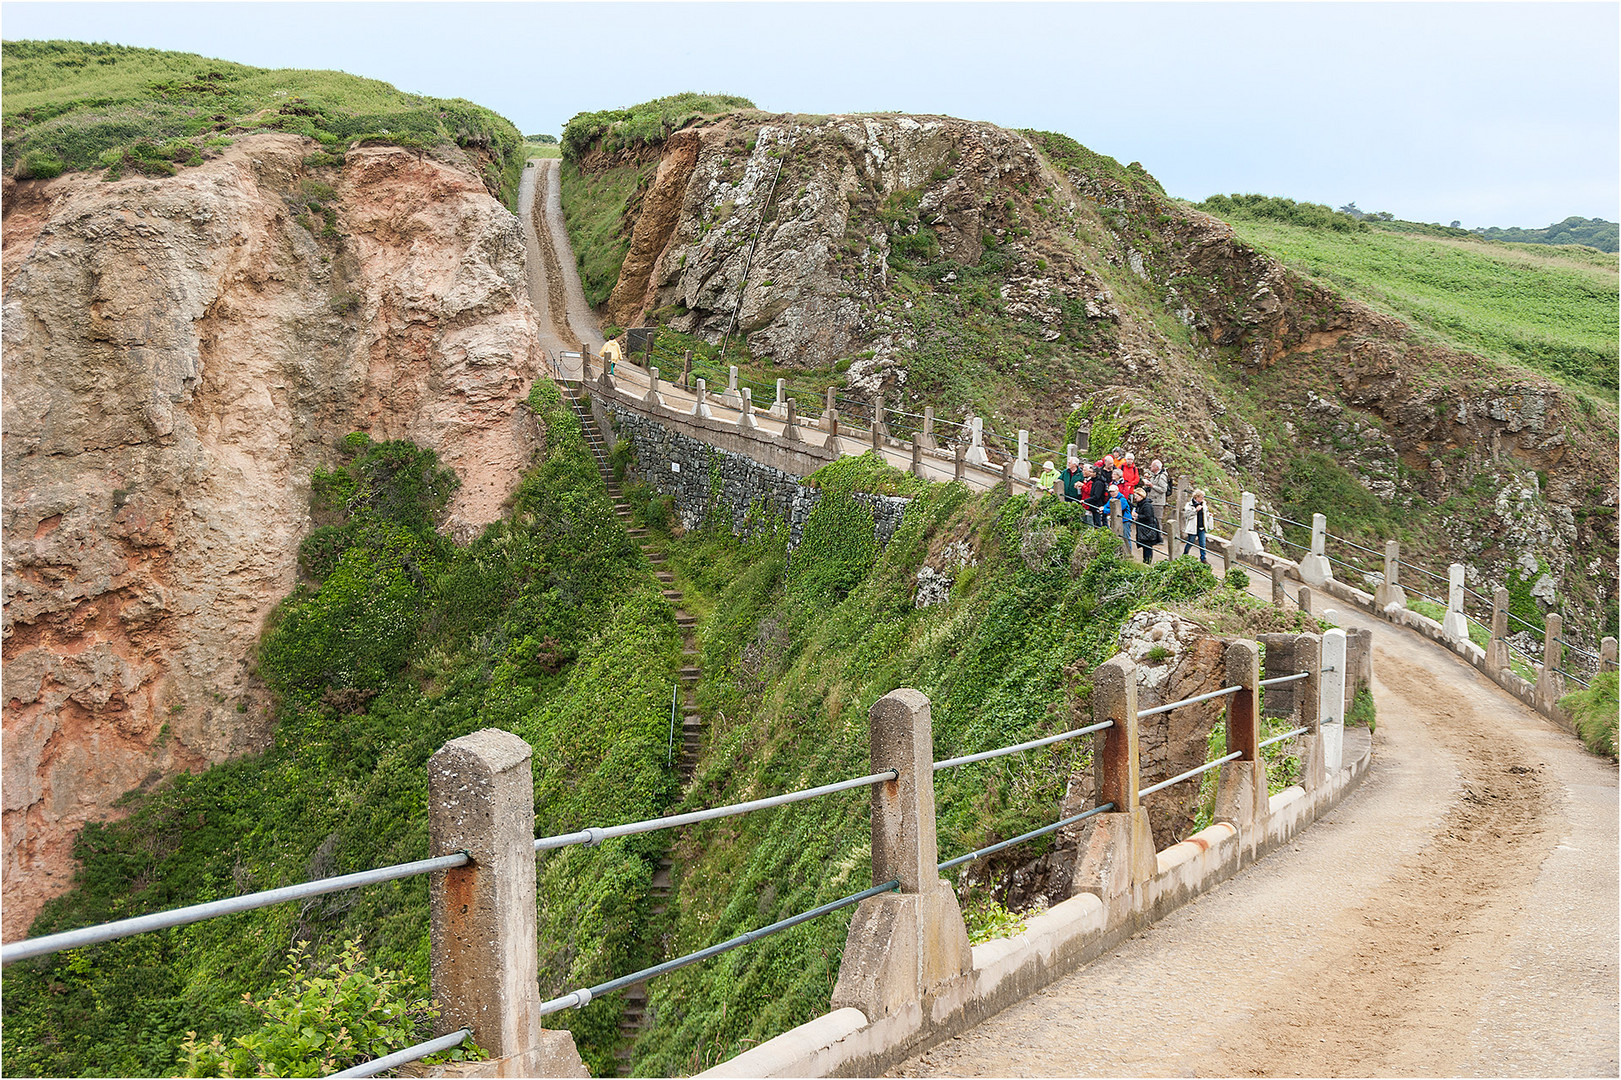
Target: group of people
(1115, 483)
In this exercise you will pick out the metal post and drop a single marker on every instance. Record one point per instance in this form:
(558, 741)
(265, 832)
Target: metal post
(481, 800)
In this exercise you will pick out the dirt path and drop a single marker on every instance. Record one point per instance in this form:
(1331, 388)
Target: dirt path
(566, 321)
(1458, 916)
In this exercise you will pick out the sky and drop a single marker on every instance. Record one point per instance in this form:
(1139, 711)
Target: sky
(1489, 114)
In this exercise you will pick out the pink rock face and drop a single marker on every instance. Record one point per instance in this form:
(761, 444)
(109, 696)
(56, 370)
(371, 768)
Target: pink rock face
(179, 354)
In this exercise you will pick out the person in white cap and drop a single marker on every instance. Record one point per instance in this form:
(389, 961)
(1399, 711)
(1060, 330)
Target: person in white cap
(1049, 478)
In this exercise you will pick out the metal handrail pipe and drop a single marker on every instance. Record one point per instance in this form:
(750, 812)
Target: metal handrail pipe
(1291, 543)
(1191, 773)
(1578, 650)
(1189, 701)
(1575, 678)
(594, 836)
(1353, 544)
(1281, 679)
(408, 1055)
(951, 763)
(578, 999)
(164, 920)
(1427, 573)
(1279, 738)
(1022, 837)
(1280, 517)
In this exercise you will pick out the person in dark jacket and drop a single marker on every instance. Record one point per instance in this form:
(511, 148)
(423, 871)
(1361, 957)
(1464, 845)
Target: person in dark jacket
(1097, 501)
(1072, 477)
(1147, 524)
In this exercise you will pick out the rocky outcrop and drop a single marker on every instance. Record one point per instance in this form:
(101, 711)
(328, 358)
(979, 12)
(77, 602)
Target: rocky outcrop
(179, 355)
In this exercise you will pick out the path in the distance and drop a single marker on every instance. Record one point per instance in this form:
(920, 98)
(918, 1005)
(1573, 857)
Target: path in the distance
(564, 319)
(1457, 916)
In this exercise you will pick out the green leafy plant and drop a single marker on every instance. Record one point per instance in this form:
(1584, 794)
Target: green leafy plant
(1594, 711)
(987, 920)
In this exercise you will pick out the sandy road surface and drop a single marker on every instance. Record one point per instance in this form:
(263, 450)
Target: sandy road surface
(565, 319)
(1458, 916)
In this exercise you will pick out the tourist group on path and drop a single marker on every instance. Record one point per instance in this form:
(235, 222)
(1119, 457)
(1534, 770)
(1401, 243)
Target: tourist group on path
(1115, 484)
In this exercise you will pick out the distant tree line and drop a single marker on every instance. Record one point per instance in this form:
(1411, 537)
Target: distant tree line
(1589, 232)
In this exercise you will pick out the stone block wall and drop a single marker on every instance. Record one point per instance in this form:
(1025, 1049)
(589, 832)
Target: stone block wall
(749, 494)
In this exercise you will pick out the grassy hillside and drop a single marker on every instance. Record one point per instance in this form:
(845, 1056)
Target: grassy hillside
(74, 105)
(396, 643)
(1551, 309)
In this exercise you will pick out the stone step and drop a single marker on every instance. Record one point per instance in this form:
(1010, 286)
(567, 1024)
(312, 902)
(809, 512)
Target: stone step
(692, 723)
(664, 575)
(672, 594)
(690, 673)
(661, 880)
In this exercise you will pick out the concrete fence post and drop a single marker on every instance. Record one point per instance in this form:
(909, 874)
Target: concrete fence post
(960, 459)
(1182, 492)
(747, 418)
(877, 433)
(779, 408)
(686, 370)
(1303, 599)
(1241, 791)
(1497, 644)
(1280, 596)
(903, 946)
(1390, 591)
(790, 427)
(732, 397)
(481, 800)
(976, 444)
(926, 437)
(830, 415)
(1331, 700)
(700, 404)
(1007, 477)
(1288, 654)
(917, 459)
(1021, 467)
(652, 398)
(1246, 541)
(1607, 655)
(1550, 683)
(1315, 568)
(1117, 859)
(1070, 452)
(1455, 627)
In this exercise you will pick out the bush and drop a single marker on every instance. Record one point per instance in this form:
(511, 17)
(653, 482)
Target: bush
(1594, 713)
(648, 123)
(1287, 211)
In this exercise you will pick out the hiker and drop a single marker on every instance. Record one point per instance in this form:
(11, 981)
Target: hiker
(1118, 496)
(1193, 524)
(1072, 478)
(1147, 525)
(1133, 477)
(1097, 500)
(1158, 485)
(1049, 480)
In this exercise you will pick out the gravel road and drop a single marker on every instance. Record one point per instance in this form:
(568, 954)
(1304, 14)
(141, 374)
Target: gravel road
(565, 320)
(1457, 916)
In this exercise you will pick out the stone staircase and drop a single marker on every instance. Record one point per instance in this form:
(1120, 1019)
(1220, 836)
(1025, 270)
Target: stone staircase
(633, 1020)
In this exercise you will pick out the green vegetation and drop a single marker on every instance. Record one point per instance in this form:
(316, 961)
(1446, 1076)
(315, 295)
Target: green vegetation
(1553, 310)
(1594, 712)
(1284, 211)
(594, 213)
(1589, 232)
(646, 124)
(541, 150)
(75, 105)
(1068, 154)
(398, 642)
(1362, 712)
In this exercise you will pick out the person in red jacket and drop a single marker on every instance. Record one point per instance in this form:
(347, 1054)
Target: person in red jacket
(1132, 477)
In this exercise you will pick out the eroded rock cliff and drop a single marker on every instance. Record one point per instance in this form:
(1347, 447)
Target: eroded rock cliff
(179, 354)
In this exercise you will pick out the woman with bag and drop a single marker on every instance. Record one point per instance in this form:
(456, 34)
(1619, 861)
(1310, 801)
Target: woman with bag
(1193, 525)
(1147, 525)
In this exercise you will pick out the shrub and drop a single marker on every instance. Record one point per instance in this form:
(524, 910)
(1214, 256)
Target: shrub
(1594, 713)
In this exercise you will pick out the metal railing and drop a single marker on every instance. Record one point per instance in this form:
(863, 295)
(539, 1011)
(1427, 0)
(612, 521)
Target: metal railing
(408, 1055)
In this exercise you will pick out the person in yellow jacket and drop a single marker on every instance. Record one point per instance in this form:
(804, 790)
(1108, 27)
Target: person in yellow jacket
(1049, 478)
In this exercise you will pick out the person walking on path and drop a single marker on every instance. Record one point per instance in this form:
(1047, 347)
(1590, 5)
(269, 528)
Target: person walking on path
(1049, 480)
(1147, 525)
(1128, 468)
(1158, 486)
(1193, 525)
(1097, 500)
(1072, 477)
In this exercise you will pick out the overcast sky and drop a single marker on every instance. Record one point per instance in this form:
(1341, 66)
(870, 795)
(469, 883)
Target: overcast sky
(1492, 114)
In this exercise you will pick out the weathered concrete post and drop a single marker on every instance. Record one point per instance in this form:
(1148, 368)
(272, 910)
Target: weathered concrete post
(1315, 568)
(1607, 654)
(1007, 477)
(686, 370)
(1497, 644)
(1390, 591)
(976, 444)
(1021, 467)
(1289, 654)
(790, 427)
(1280, 596)
(605, 382)
(481, 800)
(779, 408)
(877, 433)
(1303, 599)
(960, 459)
(926, 437)
(1070, 452)
(585, 363)
(1118, 857)
(732, 397)
(1179, 498)
(1116, 524)
(652, 398)
(747, 407)
(1550, 683)
(1455, 627)
(917, 459)
(903, 947)
(1246, 541)
(1241, 792)
(1331, 700)
(830, 416)
(700, 405)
